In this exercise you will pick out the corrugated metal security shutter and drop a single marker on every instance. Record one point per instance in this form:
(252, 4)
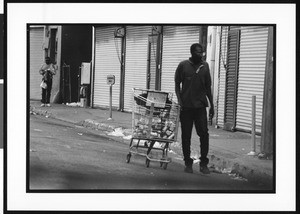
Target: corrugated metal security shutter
(231, 80)
(107, 62)
(222, 77)
(252, 65)
(136, 61)
(36, 40)
(176, 48)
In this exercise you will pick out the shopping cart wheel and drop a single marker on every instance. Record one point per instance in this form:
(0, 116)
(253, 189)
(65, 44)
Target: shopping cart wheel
(128, 158)
(147, 162)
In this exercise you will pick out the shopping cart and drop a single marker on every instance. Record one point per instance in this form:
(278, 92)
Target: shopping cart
(155, 118)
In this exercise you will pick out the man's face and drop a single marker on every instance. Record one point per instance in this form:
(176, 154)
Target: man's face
(197, 54)
(47, 61)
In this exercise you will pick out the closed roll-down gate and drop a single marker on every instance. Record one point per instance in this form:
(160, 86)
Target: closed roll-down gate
(251, 72)
(36, 40)
(252, 66)
(176, 48)
(136, 61)
(107, 62)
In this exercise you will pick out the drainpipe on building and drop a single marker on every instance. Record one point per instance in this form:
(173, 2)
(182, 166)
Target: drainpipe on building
(58, 95)
(212, 59)
(122, 71)
(93, 68)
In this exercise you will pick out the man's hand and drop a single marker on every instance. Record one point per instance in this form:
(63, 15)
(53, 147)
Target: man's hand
(42, 72)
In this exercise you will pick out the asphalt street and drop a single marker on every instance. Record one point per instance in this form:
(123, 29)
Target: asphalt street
(64, 156)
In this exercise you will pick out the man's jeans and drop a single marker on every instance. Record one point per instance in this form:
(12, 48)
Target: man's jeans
(188, 117)
(46, 93)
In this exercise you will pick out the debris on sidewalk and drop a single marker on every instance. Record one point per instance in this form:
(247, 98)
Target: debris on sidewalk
(74, 104)
(37, 111)
(232, 173)
(128, 137)
(264, 156)
(239, 178)
(117, 132)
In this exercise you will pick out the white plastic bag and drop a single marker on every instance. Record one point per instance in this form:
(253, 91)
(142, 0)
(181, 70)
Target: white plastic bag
(43, 84)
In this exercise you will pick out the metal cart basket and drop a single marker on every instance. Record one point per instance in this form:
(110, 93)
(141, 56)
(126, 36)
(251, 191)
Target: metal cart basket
(155, 118)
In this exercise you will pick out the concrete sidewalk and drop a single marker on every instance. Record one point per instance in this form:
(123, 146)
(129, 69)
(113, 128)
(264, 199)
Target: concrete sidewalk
(228, 150)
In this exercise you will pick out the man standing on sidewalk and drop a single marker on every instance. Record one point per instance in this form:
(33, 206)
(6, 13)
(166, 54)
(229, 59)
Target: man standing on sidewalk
(47, 70)
(193, 87)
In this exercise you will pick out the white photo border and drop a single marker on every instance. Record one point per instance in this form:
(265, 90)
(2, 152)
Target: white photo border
(21, 14)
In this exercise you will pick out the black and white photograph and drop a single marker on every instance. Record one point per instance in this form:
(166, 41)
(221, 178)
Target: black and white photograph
(147, 110)
(144, 148)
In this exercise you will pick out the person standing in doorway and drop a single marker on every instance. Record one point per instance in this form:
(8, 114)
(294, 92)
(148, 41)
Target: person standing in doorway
(47, 70)
(193, 88)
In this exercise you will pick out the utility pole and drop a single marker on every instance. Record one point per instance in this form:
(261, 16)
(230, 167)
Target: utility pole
(268, 125)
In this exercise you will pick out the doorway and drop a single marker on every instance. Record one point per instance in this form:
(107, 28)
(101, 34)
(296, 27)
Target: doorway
(231, 83)
(154, 62)
(53, 45)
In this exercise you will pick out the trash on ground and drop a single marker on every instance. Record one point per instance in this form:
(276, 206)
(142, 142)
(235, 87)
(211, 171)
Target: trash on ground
(239, 178)
(171, 151)
(263, 156)
(252, 153)
(215, 169)
(117, 132)
(73, 104)
(196, 161)
(128, 137)
(226, 170)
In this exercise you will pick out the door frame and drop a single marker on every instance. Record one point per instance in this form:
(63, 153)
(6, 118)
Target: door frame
(154, 39)
(231, 125)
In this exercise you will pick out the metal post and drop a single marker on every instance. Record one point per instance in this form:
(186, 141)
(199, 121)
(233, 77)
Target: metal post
(253, 141)
(110, 102)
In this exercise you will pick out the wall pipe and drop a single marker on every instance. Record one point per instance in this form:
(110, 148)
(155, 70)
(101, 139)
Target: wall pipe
(253, 140)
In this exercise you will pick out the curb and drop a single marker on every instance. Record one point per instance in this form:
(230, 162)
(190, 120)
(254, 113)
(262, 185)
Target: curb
(36, 111)
(229, 166)
(217, 164)
(88, 123)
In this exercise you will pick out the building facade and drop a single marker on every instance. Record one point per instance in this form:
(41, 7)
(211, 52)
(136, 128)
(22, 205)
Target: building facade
(140, 56)
(146, 56)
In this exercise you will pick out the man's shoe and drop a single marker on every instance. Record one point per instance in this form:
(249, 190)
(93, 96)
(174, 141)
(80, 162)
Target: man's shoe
(48, 105)
(188, 169)
(42, 105)
(204, 170)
